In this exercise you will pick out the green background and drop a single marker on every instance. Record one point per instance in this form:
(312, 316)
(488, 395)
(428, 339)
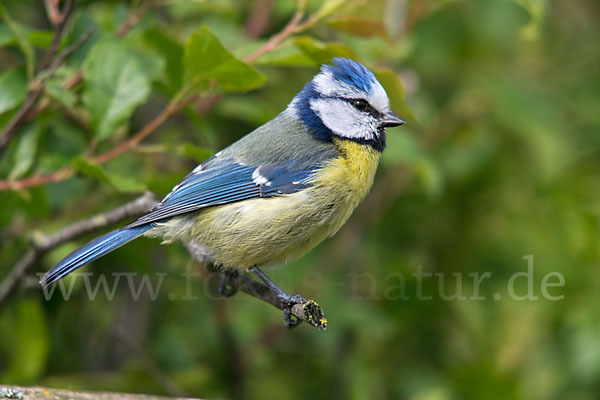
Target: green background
(499, 160)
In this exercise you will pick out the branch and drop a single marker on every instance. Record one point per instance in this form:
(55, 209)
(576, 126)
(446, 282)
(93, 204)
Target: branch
(308, 311)
(42, 244)
(290, 28)
(259, 18)
(15, 122)
(54, 14)
(43, 393)
(59, 20)
(135, 17)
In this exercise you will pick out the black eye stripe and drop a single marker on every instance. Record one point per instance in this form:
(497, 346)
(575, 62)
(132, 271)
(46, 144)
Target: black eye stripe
(369, 109)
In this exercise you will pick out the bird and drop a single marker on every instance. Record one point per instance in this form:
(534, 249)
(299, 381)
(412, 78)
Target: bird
(273, 195)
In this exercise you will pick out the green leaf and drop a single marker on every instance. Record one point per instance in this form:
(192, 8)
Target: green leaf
(359, 26)
(171, 51)
(120, 183)
(13, 89)
(151, 63)
(26, 150)
(321, 52)
(206, 60)
(115, 84)
(93, 170)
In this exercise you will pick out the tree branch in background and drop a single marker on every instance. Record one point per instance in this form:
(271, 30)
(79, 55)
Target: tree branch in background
(135, 17)
(58, 20)
(259, 18)
(43, 244)
(290, 28)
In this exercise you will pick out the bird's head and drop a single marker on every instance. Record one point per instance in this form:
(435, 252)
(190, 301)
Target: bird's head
(345, 100)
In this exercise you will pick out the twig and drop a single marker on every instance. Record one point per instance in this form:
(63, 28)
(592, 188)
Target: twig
(259, 18)
(135, 17)
(59, 20)
(42, 244)
(11, 127)
(290, 28)
(54, 14)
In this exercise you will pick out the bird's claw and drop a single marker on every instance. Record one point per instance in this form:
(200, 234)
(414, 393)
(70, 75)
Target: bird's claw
(290, 321)
(227, 287)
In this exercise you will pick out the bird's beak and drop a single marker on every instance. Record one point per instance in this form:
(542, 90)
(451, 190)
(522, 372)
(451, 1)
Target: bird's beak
(390, 120)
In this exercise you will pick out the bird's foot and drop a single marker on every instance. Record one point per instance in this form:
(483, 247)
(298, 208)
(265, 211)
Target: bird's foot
(295, 307)
(227, 287)
(289, 319)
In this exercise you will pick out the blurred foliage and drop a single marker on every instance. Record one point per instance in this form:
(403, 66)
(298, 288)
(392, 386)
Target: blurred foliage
(499, 160)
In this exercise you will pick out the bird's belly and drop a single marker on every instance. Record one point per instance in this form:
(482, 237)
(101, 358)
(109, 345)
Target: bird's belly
(269, 232)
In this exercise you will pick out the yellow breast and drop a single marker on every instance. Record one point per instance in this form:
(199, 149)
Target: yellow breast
(351, 175)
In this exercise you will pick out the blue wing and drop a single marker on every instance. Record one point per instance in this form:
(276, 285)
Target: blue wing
(221, 181)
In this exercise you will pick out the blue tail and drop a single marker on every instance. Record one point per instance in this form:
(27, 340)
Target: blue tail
(91, 251)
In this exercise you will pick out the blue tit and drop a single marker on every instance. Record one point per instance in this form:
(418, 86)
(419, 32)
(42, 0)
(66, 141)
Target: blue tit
(273, 195)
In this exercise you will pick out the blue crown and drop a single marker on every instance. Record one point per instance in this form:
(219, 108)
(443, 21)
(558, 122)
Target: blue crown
(352, 73)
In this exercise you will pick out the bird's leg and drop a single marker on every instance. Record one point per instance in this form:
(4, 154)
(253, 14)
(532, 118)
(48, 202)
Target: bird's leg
(287, 300)
(227, 287)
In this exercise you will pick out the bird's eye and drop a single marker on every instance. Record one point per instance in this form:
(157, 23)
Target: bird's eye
(360, 105)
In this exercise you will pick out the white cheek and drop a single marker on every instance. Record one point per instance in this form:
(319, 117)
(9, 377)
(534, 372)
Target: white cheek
(344, 120)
